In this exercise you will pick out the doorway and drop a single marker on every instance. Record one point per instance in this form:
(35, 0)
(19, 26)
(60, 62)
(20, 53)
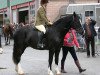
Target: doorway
(23, 16)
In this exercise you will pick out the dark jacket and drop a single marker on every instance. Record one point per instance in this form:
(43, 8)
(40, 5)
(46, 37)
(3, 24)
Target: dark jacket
(92, 29)
(99, 33)
(98, 29)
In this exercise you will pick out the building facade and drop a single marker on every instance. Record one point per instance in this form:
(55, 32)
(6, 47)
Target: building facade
(59, 7)
(18, 10)
(92, 10)
(24, 10)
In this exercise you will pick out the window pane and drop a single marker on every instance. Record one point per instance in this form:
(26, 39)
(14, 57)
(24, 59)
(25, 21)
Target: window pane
(86, 13)
(91, 13)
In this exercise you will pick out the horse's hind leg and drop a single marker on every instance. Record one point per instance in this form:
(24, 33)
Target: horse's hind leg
(56, 61)
(9, 39)
(5, 39)
(51, 53)
(17, 52)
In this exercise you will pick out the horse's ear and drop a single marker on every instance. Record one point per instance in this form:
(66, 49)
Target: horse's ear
(74, 14)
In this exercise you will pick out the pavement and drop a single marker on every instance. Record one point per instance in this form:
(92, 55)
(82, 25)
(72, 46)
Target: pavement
(35, 62)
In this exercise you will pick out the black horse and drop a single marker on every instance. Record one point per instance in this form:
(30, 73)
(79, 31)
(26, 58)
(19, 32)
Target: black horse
(28, 36)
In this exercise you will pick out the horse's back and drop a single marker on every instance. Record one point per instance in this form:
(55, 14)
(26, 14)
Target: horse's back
(5, 28)
(26, 36)
(23, 30)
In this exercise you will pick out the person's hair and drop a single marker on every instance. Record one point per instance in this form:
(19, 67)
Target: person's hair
(43, 2)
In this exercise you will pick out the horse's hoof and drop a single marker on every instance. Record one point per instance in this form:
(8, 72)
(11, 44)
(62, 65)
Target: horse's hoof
(50, 73)
(58, 74)
(1, 50)
(21, 73)
(57, 71)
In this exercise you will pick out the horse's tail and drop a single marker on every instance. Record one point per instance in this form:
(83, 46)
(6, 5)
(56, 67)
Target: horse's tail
(19, 45)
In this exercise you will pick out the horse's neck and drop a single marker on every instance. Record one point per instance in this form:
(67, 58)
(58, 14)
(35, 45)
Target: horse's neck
(58, 31)
(61, 26)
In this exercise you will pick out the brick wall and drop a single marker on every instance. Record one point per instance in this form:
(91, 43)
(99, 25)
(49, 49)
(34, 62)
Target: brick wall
(54, 6)
(86, 1)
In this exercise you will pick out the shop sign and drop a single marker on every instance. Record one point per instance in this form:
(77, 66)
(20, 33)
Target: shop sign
(4, 9)
(22, 5)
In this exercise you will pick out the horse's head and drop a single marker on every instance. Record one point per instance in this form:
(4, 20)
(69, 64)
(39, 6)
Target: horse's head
(69, 21)
(76, 23)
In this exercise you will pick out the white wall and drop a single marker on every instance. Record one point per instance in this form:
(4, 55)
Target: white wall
(14, 13)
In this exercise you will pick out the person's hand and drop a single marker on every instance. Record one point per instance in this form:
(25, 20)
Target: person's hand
(50, 23)
(79, 48)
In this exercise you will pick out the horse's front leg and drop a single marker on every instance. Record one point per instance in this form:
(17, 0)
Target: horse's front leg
(5, 39)
(51, 53)
(9, 39)
(56, 62)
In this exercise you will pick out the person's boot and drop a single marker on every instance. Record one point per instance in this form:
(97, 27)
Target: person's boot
(62, 69)
(40, 43)
(79, 67)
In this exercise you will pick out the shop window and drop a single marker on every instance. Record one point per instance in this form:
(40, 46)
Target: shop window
(91, 13)
(88, 13)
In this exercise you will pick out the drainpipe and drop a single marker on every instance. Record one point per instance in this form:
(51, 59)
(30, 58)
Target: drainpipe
(98, 1)
(8, 9)
(37, 4)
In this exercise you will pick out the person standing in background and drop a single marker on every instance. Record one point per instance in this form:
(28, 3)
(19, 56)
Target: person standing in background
(99, 34)
(90, 34)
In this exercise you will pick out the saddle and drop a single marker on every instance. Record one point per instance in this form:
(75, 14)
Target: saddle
(41, 38)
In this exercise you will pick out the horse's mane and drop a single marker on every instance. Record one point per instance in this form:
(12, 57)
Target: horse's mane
(66, 18)
(61, 24)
